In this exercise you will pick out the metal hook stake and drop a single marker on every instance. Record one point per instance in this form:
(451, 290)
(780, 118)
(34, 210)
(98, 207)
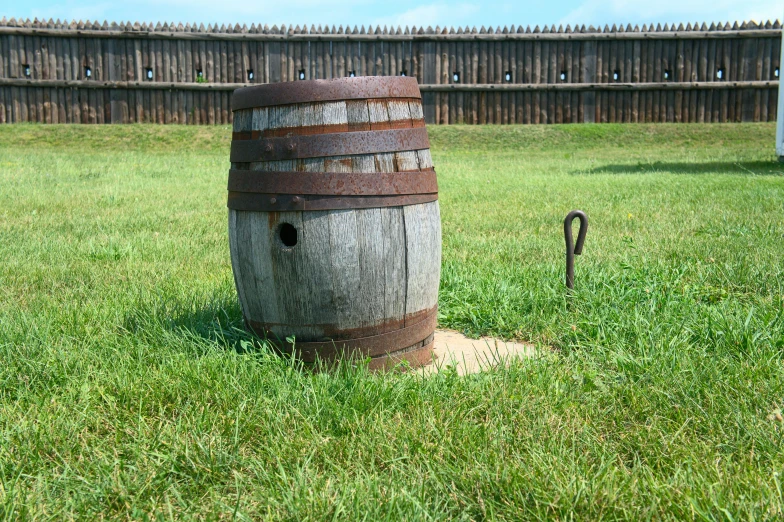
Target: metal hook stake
(573, 249)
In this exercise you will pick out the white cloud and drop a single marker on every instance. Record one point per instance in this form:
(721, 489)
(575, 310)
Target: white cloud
(600, 12)
(432, 15)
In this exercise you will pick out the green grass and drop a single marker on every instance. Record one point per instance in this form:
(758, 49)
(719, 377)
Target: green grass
(128, 389)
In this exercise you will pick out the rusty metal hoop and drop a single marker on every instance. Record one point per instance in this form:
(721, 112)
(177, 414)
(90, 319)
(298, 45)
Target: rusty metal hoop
(334, 183)
(332, 144)
(314, 91)
(374, 346)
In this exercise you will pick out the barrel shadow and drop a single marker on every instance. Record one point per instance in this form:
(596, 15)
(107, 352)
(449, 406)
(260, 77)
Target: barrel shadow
(218, 321)
(749, 168)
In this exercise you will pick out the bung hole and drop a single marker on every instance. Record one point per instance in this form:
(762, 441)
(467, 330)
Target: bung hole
(288, 234)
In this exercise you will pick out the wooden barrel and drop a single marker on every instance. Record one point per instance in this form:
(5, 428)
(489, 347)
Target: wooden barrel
(334, 224)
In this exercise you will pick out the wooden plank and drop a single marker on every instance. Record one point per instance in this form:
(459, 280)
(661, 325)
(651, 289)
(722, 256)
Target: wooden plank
(99, 74)
(558, 67)
(679, 71)
(345, 267)
(306, 52)
(588, 75)
(714, 100)
(393, 237)
(613, 104)
(689, 73)
(289, 272)
(429, 76)
(474, 61)
(553, 74)
(423, 255)
(137, 65)
(317, 256)
(636, 65)
(626, 74)
(275, 60)
(660, 66)
(236, 265)
(59, 65)
(651, 109)
(372, 273)
(575, 52)
(258, 278)
(460, 64)
(4, 54)
(748, 72)
(296, 66)
(357, 114)
(766, 107)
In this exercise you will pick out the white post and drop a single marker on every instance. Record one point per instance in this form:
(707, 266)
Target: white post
(780, 113)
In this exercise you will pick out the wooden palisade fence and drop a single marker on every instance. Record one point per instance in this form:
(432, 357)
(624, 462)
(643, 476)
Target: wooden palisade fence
(76, 72)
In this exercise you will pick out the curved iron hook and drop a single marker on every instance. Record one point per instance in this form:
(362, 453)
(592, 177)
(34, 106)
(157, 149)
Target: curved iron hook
(573, 249)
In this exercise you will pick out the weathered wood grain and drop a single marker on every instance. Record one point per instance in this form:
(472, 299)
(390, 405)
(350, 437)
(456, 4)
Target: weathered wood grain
(118, 90)
(423, 259)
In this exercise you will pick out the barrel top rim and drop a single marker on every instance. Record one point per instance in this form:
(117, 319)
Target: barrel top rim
(314, 91)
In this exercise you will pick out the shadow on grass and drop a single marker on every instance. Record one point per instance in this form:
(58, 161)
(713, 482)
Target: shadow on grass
(751, 168)
(218, 321)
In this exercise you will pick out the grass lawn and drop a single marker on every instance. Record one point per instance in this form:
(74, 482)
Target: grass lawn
(128, 389)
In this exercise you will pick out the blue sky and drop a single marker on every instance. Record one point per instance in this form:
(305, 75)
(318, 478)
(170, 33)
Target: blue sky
(400, 12)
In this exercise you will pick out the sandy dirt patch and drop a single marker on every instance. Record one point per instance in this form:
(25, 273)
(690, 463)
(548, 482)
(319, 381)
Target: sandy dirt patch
(473, 355)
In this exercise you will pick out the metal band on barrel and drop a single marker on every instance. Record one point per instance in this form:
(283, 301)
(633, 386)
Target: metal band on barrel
(327, 145)
(374, 346)
(315, 91)
(334, 183)
(249, 201)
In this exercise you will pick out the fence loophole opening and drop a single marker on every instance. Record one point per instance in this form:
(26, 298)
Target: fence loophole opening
(351, 74)
(667, 75)
(403, 72)
(148, 73)
(250, 74)
(88, 72)
(776, 72)
(288, 234)
(26, 70)
(508, 76)
(563, 76)
(302, 74)
(456, 77)
(720, 74)
(199, 73)
(616, 75)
